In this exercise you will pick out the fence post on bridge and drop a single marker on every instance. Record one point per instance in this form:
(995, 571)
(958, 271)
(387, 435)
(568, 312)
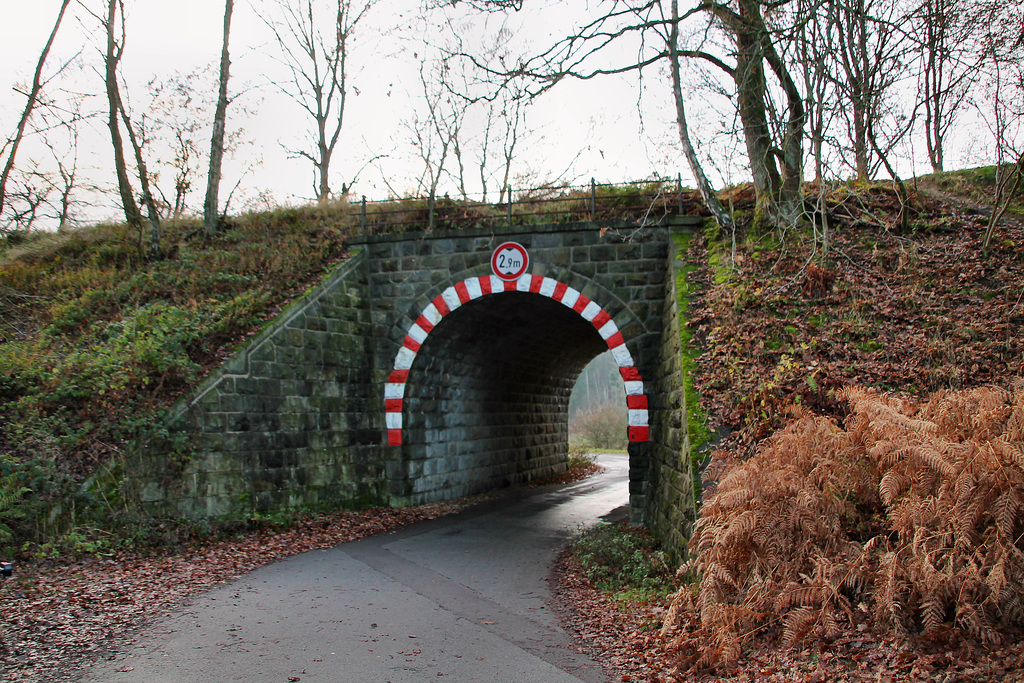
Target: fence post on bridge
(362, 217)
(679, 193)
(593, 200)
(430, 214)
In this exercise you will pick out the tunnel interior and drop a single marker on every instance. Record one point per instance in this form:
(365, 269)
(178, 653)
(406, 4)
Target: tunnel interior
(487, 397)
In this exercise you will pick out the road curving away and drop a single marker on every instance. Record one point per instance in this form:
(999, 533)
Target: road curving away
(460, 598)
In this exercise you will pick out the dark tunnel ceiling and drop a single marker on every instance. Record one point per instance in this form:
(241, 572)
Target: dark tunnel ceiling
(518, 329)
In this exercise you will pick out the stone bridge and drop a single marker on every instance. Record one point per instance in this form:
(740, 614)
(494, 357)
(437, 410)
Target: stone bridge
(435, 365)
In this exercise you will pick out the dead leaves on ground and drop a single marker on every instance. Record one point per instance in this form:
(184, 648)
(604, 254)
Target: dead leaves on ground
(907, 313)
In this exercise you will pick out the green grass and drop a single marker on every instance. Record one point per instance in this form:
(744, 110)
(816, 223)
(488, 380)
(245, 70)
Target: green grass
(977, 184)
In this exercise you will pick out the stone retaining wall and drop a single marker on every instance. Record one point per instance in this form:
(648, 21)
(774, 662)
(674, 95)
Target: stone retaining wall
(289, 422)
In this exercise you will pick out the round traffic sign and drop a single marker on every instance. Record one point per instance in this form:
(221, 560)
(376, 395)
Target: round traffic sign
(510, 260)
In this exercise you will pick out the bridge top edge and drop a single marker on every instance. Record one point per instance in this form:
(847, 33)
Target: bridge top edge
(669, 222)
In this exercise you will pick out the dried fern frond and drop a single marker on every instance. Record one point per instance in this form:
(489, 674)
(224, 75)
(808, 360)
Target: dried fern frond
(892, 485)
(1010, 453)
(933, 490)
(1004, 512)
(798, 623)
(933, 458)
(798, 595)
(933, 613)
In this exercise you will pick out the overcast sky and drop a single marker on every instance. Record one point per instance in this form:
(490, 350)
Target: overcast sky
(579, 131)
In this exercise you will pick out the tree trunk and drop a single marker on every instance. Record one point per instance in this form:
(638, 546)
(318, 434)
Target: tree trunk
(147, 194)
(750, 100)
(323, 161)
(901, 187)
(113, 55)
(707, 193)
(1008, 182)
(211, 205)
(790, 192)
(777, 195)
(29, 105)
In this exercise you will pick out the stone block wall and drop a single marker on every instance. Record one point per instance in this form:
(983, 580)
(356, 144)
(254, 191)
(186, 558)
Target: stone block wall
(671, 506)
(486, 401)
(289, 422)
(296, 418)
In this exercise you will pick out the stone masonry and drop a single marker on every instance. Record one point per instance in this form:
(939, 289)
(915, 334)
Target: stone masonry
(414, 374)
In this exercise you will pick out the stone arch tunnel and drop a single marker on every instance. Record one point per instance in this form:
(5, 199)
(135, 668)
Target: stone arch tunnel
(418, 372)
(480, 394)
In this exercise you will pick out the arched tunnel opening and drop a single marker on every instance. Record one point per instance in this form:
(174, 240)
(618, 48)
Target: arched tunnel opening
(598, 417)
(486, 400)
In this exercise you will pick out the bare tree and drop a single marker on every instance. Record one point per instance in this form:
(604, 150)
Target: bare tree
(28, 195)
(508, 115)
(210, 205)
(64, 152)
(870, 52)
(1002, 102)
(178, 104)
(813, 52)
(115, 29)
(948, 68)
(118, 115)
(773, 134)
(138, 139)
(315, 52)
(67, 170)
(435, 133)
(11, 146)
(774, 139)
(697, 170)
(496, 116)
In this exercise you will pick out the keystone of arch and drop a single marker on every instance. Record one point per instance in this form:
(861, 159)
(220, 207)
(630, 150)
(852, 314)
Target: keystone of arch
(476, 287)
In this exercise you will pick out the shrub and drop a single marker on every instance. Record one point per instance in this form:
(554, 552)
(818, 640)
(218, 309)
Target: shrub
(905, 521)
(580, 457)
(601, 427)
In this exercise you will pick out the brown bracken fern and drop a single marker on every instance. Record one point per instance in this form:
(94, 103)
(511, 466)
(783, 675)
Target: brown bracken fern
(908, 519)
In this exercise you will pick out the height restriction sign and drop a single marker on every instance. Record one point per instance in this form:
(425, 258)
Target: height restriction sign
(510, 260)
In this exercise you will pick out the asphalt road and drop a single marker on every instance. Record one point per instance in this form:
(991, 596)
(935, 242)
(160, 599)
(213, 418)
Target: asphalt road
(461, 598)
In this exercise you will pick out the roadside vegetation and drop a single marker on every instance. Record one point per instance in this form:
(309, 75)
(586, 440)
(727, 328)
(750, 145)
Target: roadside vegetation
(862, 510)
(601, 427)
(625, 562)
(96, 341)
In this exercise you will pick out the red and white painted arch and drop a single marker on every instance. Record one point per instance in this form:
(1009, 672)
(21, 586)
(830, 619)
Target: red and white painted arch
(474, 288)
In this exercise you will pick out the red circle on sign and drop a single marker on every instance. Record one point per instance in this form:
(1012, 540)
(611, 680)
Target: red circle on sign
(510, 260)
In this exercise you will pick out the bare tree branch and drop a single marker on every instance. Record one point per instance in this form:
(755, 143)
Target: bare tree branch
(33, 93)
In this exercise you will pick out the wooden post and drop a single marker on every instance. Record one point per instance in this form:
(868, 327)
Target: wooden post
(430, 215)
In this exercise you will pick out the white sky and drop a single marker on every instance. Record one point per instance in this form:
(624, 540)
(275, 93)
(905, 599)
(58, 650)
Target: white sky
(595, 124)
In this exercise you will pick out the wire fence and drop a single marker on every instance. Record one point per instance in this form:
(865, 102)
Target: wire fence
(642, 202)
